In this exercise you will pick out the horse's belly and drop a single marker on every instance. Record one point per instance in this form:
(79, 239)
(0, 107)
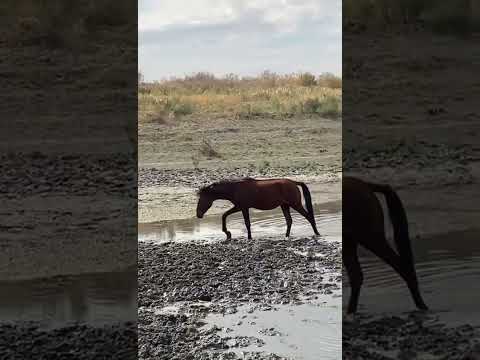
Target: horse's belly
(267, 206)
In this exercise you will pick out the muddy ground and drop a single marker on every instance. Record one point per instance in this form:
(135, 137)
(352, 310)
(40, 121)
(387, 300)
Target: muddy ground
(204, 279)
(74, 341)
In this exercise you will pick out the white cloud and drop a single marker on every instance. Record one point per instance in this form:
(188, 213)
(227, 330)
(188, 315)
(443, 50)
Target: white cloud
(241, 36)
(159, 15)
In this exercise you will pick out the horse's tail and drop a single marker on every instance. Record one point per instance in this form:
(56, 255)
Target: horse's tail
(308, 199)
(399, 222)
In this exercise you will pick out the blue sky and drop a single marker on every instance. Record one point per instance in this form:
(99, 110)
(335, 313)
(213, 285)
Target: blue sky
(245, 37)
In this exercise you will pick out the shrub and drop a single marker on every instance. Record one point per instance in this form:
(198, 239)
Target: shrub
(182, 108)
(307, 79)
(330, 107)
(311, 106)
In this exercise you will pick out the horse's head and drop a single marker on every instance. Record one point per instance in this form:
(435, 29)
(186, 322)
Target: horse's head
(205, 201)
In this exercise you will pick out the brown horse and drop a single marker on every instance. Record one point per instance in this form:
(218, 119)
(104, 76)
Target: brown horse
(258, 194)
(364, 224)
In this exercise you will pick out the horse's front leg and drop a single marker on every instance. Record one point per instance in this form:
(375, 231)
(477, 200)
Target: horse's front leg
(246, 218)
(224, 221)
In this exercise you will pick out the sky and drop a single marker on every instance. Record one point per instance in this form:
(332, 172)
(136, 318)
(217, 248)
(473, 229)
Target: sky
(245, 37)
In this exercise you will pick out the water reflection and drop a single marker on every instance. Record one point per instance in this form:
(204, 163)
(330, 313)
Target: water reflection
(92, 298)
(327, 215)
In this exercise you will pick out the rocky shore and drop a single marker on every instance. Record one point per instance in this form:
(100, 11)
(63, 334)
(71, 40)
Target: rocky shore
(180, 284)
(76, 341)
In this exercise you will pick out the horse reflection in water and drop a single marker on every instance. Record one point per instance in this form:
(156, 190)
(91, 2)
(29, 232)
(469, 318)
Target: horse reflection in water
(258, 194)
(364, 224)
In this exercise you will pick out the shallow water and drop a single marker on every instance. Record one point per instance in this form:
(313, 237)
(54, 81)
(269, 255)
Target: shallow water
(263, 223)
(448, 268)
(308, 331)
(97, 299)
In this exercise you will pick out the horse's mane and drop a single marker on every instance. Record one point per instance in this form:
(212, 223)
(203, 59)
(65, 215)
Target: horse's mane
(210, 189)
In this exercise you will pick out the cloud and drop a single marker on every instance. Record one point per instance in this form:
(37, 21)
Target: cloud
(241, 36)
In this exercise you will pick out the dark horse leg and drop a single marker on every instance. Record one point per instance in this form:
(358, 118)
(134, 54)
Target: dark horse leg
(354, 272)
(379, 246)
(288, 218)
(246, 218)
(224, 220)
(306, 215)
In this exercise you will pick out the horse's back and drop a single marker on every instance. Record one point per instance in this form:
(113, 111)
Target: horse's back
(362, 211)
(269, 193)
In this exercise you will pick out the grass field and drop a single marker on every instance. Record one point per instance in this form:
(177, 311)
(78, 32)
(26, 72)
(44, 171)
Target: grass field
(242, 98)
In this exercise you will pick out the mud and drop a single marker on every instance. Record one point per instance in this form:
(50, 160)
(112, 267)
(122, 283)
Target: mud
(180, 284)
(409, 336)
(31, 340)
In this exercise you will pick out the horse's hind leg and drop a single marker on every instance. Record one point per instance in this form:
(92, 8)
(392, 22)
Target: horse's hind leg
(379, 246)
(300, 209)
(354, 272)
(288, 218)
(246, 218)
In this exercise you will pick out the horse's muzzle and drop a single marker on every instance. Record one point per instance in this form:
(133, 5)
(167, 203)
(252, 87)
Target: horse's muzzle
(199, 216)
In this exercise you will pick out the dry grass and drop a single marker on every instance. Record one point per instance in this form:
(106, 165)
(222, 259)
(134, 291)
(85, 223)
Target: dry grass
(267, 95)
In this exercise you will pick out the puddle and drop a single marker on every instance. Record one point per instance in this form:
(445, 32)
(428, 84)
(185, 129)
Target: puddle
(97, 299)
(263, 223)
(448, 267)
(308, 331)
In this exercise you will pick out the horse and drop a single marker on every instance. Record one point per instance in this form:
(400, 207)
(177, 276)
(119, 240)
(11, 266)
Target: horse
(249, 193)
(364, 224)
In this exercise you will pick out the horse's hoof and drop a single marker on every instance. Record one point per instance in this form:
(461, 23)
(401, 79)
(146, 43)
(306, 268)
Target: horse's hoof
(349, 317)
(229, 235)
